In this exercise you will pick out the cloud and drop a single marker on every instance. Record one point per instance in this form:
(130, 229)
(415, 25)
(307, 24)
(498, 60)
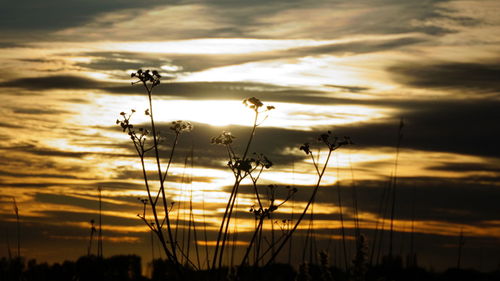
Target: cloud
(10, 126)
(351, 89)
(53, 82)
(474, 78)
(37, 175)
(129, 204)
(7, 44)
(435, 199)
(37, 111)
(46, 151)
(466, 167)
(236, 19)
(461, 127)
(336, 19)
(56, 14)
(187, 63)
(189, 90)
(449, 200)
(166, 21)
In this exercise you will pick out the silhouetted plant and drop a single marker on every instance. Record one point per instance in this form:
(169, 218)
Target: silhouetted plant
(145, 141)
(360, 260)
(18, 225)
(261, 212)
(241, 167)
(99, 234)
(304, 274)
(326, 274)
(91, 236)
(332, 143)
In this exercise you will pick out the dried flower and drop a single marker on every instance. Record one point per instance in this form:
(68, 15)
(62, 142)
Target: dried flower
(253, 102)
(147, 76)
(225, 138)
(180, 126)
(306, 148)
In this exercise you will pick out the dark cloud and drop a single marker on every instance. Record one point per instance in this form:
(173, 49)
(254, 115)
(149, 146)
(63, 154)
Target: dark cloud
(110, 184)
(128, 204)
(53, 82)
(10, 126)
(475, 78)
(235, 19)
(466, 167)
(36, 175)
(424, 198)
(439, 199)
(58, 14)
(351, 89)
(191, 90)
(37, 111)
(383, 17)
(464, 126)
(26, 185)
(32, 148)
(10, 45)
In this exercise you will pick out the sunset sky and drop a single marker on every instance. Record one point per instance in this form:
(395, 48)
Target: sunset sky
(353, 67)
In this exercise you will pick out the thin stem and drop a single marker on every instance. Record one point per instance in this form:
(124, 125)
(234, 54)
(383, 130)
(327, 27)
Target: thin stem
(226, 229)
(219, 234)
(254, 236)
(159, 233)
(162, 188)
(342, 220)
(313, 195)
(229, 207)
(252, 134)
(205, 232)
(393, 205)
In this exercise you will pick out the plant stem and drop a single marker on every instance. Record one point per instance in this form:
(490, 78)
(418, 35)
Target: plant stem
(162, 187)
(313, 195)
(232, 199)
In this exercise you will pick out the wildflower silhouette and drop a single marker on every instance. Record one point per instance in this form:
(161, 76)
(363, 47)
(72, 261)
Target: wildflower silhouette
(242, 167)
(146, 140)
(332, 143)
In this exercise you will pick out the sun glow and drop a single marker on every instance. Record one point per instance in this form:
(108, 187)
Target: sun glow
(230, 112)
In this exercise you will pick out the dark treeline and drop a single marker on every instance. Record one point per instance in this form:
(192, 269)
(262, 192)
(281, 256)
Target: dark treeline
(116, 268)
(128, 268)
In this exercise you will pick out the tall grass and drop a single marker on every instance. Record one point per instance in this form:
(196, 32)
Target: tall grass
(18, 227)
(91, 237)
(394, 184)
(99, 233)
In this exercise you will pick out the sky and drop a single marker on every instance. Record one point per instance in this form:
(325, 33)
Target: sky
(355, 68)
